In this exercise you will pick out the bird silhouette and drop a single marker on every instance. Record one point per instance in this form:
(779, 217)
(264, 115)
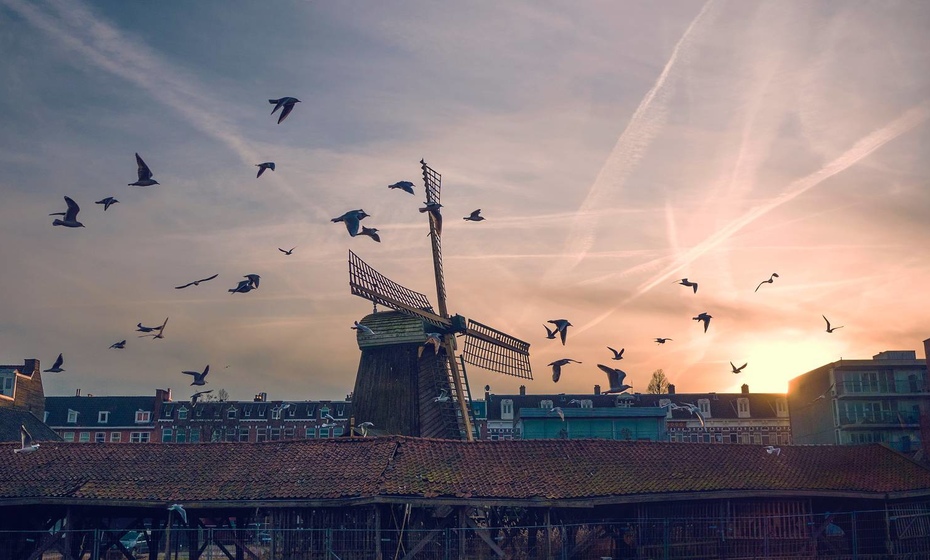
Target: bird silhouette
(738, 369)
(199, 376)
(686, 282)
(432, 339)
(550, 333)
(196, 282)
(70, 215)
(705, 318)
(557, 410)
(769, 281)
(263, 166)
(694, 411)
(119, 345)
(772, 449)
(561, 326)
(434, 214)
(405, 186)
(617, 355)
(196, 396)
(351, 220)
(180, 511)
(144, 173)
(364, 427)
(557, 367)
(140, 328)
(474, 216)
(615, 378)
(152, 333)
(371, 232)
(254, 279)
(107, 202)
(443, 396)
(27, 443)
(56, 367)
(829, 328)
(243, 287)
(287, 252)
(362, 328)
(662, 340)
(286, 102)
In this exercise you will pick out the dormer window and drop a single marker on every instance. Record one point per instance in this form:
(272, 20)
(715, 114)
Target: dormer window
(72, 416)
(324, 411)
(261, 412)
(704, 407)
(143, 416)
(586, 403)
(664, 403)
(506, 409)
(231, 413)
(781, 408)
(275, 413)
(742, 407)
(182, 413)
(103, 416)
(247, 411)
(547, 404)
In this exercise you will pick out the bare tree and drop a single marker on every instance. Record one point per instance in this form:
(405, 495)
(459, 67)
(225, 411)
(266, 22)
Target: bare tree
(222, 395)
(658, 385)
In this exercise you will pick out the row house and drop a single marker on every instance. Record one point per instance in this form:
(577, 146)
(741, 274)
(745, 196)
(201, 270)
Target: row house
(253, 421)
(90, 419)
(21, 387)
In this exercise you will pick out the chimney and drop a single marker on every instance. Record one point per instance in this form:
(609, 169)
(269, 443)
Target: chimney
(744, 389)
(30, 366)
(261, 397)
(671, 388)
(597, 389)
(77, 392)
(522, 390)
(487, 393)
(163, 395)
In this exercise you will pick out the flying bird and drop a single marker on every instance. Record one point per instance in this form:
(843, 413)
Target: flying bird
(140, 328)
(243, 287)
(288, 252)
(180, 510)
(738, 369)
(443, 396)
(286, 102)
(705, 318)
(662, 340)
(351, 220)
(769, 281)
(405, 186)
(196, 282)
(824, 394)
(772, 449)
(160, 329)
(70, 215)
(561, 326)
(434, 214)
(331, 421)
(254, 279)
(196, 396)
(617, 355)
(829, 328)
(362, 328)
(371, 232)
(557, 367)
(693, 410)
(119, 345)
(687, 283)
(557, 410)
(145, 174)
(263, 166)
(615, 377)
(364, 427)
(474, 216)
(107, 202)
(199, 377)
(432, 339)
(56, 367)
(550, 333)
(25, 438)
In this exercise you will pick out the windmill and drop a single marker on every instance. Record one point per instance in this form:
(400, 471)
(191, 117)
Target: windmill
(392, 386)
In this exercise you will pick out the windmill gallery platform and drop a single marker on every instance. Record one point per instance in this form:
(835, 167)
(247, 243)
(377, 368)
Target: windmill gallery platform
(381, 485)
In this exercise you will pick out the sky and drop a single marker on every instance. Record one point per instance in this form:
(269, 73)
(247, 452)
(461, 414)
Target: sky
(613, 148)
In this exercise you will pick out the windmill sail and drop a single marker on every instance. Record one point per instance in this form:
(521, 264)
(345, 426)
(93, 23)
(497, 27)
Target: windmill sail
(491, 349)
(370, 284)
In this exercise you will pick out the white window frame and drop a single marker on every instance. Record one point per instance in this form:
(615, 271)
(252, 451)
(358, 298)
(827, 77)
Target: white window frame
(506, 409)
(116, 437)
(72, 416)
(103, 416)
(143, 416)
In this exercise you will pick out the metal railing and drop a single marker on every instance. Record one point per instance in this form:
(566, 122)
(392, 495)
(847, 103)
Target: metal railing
(850, 535)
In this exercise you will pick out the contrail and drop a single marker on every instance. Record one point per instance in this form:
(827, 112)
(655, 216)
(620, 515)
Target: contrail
(643, 127)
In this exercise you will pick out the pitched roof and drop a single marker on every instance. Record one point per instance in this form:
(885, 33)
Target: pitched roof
(122, 411)
(12, 418)
(389, 469)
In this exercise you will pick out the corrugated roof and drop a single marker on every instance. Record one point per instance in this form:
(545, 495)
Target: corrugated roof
(403, 468)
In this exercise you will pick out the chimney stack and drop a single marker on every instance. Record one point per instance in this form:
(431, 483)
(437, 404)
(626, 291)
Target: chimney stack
(77, 392)
(597, 389)
(744, 389)
(671, 388)
(522, 390)
(261, 397)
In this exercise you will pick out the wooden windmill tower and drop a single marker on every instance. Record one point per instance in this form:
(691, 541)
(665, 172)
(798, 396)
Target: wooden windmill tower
(399, 379)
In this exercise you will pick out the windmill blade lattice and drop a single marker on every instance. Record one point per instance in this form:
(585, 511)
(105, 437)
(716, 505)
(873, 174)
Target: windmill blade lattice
(493, 350)
(368, 283)
(432, 183)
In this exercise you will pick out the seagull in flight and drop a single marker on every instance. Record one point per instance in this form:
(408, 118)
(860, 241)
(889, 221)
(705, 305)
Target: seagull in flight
(107, 202)
(550, 333)
(769, 281)
(829, 328)
(56, 367)
(432, 339)
(180, 510)
(364, 427)
(738, 369)
(160, 329)
(70, 215)
(253, 280)
(557, 410)
(443, 396)
(331, 421)
(196, 282)
(474, 216)
(288, 252)
(286, 102)
(371, 232)
(694, 410)
(362, 328)
(119, 345)
(199, 377)
(687, 283)
(145, 174)
(434, 214)
(243, 287)
(405, 186)
(140, 328)
(561, 326)
(617, 355)
(662, 340)
(351, 220)
(772, 449)
(557, 367)
(615, 377)
(263, 166)
(196, 396)
(824, 394)
(25, 437)
(705, 318)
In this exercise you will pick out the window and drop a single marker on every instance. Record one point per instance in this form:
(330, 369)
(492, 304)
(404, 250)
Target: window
(84, 437)
(139, 437)
(340, 411)
(115, 437)
(324, 411)
(781, 407)
(182, 413)
(586, 403)
(68, 436)
(704, 407)
(6, 384)
(231, 413)
(742, 407)
(143, 416)
(275, 434)
(261, 412)
(45, 417)
(243, 434)
(195, 436)
(72, 416)
(275, 413)
(103, 417)
(247, 411)
(324, 432)
(338, 431)
(167, 435)
(310, 433)
(180, 436)
(292, 411)
(289, 433)
(231, 436)
(547, 404)
(506, 409)
(261, 435)
(100, 437)
(217, 435)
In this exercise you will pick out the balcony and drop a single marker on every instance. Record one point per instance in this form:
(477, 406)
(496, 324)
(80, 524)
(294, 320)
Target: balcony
(884, 419)
(898, 387)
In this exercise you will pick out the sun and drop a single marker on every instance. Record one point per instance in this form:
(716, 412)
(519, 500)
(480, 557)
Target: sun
(782, 357)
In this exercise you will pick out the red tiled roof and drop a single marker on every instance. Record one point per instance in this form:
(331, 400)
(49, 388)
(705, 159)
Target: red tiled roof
(392, 468)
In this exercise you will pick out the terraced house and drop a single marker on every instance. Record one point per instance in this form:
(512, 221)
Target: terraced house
(90, 419)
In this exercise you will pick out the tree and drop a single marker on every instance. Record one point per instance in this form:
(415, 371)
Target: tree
(658, 385)
(222, 395)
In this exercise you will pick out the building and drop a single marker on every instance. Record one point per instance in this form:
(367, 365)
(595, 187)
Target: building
(744, 417)
(90, 419)
(643, 423)
(849, 402)
(21, 387)
(254, 421)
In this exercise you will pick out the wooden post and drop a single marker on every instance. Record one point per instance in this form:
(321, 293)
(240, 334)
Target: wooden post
(449, 345)
(461, 532)
(168, 536)
(377, 522)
